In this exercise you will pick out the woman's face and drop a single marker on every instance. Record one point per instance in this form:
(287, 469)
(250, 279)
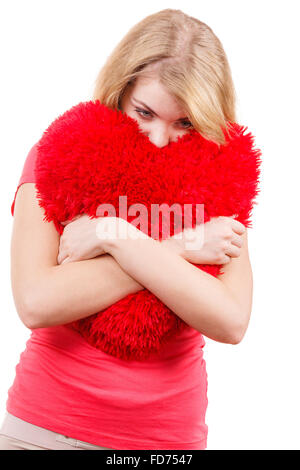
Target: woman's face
(158, 114)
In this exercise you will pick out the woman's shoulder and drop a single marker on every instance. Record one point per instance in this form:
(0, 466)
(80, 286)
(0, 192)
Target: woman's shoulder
(28, 168)
(27, 174)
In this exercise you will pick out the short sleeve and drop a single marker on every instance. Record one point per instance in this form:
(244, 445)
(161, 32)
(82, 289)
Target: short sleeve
(28, 175)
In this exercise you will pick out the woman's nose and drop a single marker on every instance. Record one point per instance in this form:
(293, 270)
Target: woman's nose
(160, 139)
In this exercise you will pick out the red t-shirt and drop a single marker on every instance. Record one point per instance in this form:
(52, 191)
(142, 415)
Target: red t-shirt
(67, 386)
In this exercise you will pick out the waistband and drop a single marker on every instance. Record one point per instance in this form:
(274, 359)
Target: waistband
(16, 428)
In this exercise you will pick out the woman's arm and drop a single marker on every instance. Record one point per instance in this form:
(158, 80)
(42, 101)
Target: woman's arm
(213, 307)
(48, 294)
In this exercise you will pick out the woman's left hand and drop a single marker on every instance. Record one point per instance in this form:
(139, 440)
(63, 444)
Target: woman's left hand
(79, 240)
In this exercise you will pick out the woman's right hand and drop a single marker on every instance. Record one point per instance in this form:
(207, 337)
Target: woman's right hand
(215, 242)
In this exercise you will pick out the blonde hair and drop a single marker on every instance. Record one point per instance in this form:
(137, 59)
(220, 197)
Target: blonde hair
(189, 61)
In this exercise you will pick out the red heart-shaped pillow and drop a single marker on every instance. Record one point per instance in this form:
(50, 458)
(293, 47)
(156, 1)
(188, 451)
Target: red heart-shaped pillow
(92, 155)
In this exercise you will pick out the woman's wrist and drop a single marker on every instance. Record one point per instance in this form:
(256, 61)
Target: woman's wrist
(176, 245)
(188, 244)
(116, 233)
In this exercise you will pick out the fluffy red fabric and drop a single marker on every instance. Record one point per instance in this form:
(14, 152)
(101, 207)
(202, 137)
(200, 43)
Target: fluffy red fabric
(92, 154)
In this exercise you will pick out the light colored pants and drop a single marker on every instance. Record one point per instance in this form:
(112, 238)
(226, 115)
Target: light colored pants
(16, 434)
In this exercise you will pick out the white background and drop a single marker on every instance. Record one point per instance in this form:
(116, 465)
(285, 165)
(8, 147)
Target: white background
(51, 52)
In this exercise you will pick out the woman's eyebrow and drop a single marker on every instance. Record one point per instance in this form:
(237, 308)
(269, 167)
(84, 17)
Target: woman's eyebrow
(151, 110)
(144, 104)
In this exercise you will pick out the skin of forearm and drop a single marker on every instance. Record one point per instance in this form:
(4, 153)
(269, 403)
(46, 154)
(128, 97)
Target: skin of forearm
(75, 290)
(198, 298)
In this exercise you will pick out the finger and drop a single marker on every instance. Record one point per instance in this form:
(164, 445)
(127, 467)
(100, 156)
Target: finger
(236, 240)
(61, 257)
(238, 227)
(226, 259)
(233, 251)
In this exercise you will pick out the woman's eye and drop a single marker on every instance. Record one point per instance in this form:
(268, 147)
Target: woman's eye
(189, 124)
(147, 114)
(141, 111)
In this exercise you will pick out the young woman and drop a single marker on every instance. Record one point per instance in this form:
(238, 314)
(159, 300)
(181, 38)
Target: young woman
(170, 73)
